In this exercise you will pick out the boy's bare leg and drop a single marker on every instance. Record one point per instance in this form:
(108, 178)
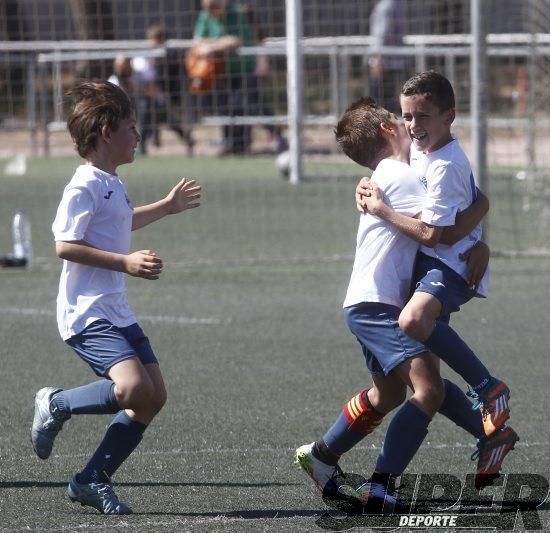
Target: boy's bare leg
(418, 317)
(419, 320)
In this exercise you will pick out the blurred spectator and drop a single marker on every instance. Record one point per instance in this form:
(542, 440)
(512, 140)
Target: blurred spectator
(221, 28)
(262, 72)
(387, 72)
(154, 105)
(123, 75)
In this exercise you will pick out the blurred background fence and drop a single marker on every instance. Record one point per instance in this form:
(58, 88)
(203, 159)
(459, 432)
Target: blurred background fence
(47, 45)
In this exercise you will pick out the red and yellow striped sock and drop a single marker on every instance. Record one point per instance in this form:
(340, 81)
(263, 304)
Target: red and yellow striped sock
(357, 419)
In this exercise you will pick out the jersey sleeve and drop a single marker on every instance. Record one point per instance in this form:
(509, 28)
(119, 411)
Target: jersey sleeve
(73, 214)
(444, 197)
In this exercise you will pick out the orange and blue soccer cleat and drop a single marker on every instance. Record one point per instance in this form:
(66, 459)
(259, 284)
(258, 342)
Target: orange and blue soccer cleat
(493, 404)
(491, 452)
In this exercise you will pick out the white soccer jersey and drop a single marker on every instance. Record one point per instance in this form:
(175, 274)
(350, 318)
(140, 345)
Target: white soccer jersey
(94, 208)
(384, 257)
(451, 188)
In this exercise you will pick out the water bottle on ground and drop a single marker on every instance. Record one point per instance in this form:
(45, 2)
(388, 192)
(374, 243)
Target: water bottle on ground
(22, 240)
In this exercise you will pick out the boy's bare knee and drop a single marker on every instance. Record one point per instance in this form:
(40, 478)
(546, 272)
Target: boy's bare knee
(415, 326)
(384, 402)
(135, 394)
(430, 397)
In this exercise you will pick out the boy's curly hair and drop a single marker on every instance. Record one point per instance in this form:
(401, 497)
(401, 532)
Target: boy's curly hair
(95, 104)
(358, 131)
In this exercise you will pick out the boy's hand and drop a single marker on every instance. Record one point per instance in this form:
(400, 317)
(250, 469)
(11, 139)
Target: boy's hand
(478, 260)
(374, 199)
(185, 195)
(143, 264)
(363, 189)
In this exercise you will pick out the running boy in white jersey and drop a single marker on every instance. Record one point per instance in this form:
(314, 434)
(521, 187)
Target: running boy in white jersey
(441, 278)
(378, 290)
(92, 230)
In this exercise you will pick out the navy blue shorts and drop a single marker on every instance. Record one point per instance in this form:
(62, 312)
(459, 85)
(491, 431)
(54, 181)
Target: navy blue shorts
(376, 327)
(103, 345)
(434, 277)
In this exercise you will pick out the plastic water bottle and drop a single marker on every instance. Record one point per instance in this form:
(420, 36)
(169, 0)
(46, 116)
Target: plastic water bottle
(22, 240)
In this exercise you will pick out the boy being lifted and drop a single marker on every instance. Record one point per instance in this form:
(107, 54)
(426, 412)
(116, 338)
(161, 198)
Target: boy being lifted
(441, 279)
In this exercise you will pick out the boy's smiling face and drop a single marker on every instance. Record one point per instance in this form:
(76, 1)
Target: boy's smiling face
(427, 126)
(124, 141)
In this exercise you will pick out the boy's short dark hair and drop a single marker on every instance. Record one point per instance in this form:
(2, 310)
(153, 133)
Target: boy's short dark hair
(95, 104)
(435, 87)
(358, 131)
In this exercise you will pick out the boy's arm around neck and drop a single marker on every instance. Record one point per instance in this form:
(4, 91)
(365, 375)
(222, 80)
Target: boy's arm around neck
(413, 228)
(421, 232)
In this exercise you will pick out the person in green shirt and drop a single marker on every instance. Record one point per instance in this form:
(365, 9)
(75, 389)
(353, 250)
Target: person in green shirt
(221, 28)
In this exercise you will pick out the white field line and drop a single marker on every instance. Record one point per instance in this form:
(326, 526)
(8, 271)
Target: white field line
(155, 319)
(274, 450)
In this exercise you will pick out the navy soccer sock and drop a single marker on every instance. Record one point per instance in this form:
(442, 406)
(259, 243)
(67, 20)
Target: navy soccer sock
(457, 408)
(121, 439)
(96, 398)
(357, 419)
(405, 434)
(449, 347)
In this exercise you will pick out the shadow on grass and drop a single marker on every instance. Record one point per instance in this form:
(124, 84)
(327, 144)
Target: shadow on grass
(53, 484)
(253, 514)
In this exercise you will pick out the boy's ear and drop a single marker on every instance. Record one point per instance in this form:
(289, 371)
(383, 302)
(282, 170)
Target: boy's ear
(105, 133)
(450, 116)
(386, 129)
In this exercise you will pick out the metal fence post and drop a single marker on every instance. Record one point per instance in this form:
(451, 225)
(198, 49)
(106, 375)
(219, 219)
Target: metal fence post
(294, 86)
(478, 98)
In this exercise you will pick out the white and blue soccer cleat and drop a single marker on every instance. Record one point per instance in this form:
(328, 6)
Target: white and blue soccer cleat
(45, 425)
(100, 496)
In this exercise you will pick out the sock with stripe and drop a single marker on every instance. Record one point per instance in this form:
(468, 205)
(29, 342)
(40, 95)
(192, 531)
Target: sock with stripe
(457, 407)
(357, 419)
(96, 398)
(449, 347)
(405, 434)
(121, 439)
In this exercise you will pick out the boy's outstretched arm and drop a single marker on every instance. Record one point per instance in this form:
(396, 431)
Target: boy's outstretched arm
(185, 195)
(142, 264)
(467, 220)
